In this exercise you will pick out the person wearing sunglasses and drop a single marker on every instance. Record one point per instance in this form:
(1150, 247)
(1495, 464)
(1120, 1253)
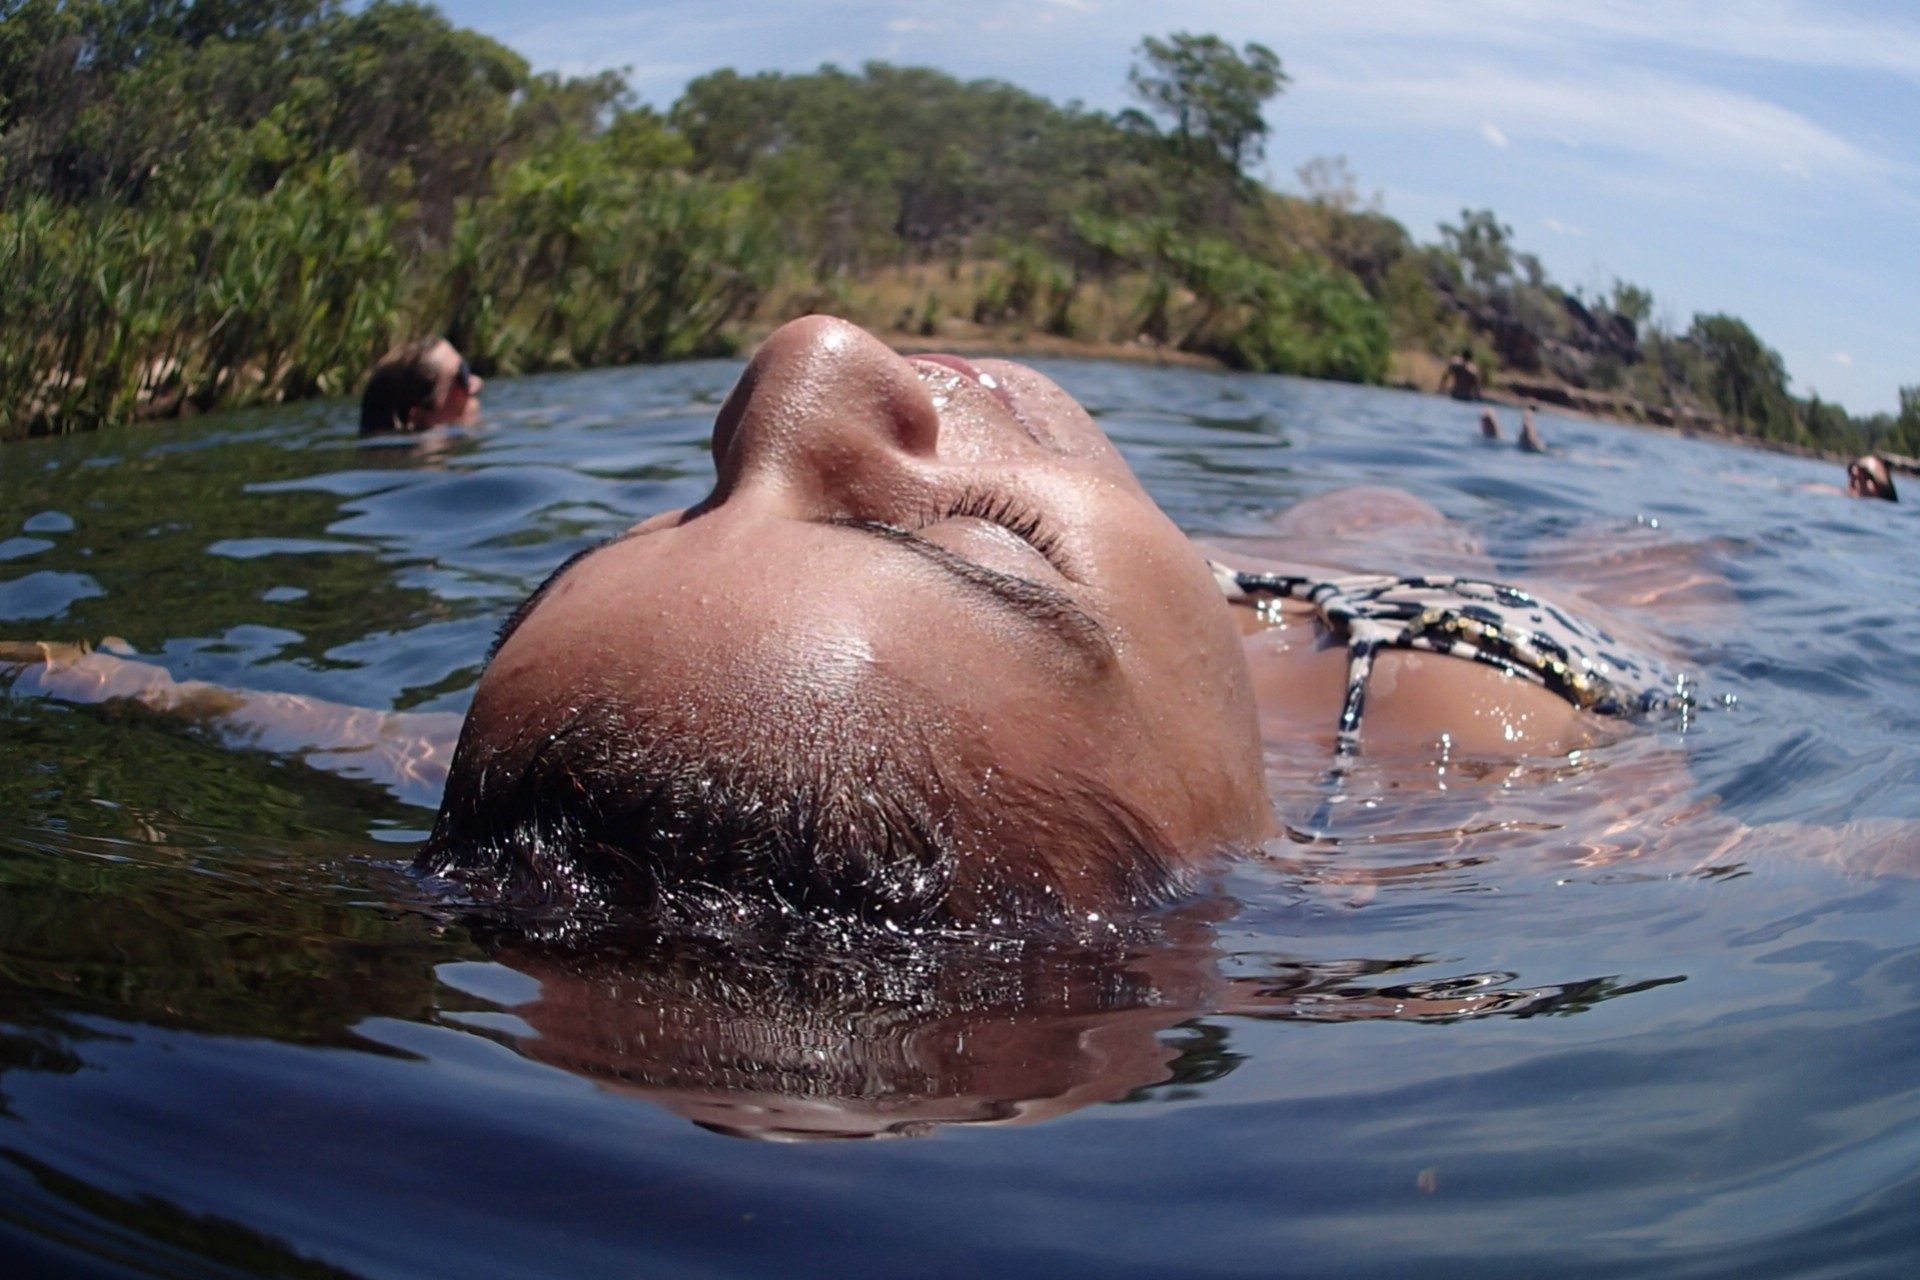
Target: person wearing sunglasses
(420, 384)
(1868, 477)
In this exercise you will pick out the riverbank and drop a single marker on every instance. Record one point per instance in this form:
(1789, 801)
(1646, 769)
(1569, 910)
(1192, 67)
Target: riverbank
(1521, 392)
(966, 339)
(1412, 370)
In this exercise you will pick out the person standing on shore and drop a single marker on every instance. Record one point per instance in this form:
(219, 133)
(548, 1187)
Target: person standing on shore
(1462, 377)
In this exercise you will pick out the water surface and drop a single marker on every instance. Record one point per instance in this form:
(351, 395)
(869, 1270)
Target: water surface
(1455, 1029)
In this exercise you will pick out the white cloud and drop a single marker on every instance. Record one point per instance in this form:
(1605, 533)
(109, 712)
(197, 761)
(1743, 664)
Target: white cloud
(1842, 359)
(1781, 31)
(1491, 132)
(1640, 112)
(1560, 228)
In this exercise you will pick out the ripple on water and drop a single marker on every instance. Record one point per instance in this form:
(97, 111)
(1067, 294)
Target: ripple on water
(45, 595)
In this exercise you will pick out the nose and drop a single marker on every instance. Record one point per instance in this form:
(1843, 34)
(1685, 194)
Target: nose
(823, 406)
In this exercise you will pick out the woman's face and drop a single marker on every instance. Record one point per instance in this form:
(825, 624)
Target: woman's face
(1867, 478)
(456, 390)
(930, 550)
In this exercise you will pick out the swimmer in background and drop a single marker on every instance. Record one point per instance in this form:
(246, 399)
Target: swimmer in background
(1869, 477)
(1530, 441)
(418, 385)
(1462, 377)
(1489, 425)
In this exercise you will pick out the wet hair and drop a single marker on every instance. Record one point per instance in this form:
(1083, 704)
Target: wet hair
(1880, 473)
(876, 1035)
(625, 815)
(402, 382)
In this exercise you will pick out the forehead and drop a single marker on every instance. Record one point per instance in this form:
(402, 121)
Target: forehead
(768, 620)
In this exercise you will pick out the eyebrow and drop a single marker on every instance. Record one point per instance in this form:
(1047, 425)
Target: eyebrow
(1030, 602)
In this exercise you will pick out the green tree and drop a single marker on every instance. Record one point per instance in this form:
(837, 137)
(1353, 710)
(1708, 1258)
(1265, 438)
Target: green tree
(1904, 435)
(1632, 301)
(1210, 93)
(1745, 377)
(1483, 246)
(892, 162)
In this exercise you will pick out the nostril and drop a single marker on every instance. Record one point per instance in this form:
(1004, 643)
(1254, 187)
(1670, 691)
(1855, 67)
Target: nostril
(907, 411)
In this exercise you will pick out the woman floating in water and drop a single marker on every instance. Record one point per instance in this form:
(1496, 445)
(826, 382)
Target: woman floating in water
(929, 656)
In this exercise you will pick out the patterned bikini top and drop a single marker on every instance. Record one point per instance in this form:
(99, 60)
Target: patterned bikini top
(1486, 622)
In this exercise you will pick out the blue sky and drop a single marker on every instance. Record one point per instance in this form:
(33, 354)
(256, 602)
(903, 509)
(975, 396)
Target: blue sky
(1759, 157)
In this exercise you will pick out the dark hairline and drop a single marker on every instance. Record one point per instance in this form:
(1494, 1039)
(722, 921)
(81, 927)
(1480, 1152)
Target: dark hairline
(611, 818)
(1032, 602)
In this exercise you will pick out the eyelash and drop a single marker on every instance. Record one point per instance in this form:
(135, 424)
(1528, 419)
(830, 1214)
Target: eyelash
(1023, 523)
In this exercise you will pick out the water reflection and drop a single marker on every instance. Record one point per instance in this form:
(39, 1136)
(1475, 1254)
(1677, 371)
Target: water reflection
(802, 1040)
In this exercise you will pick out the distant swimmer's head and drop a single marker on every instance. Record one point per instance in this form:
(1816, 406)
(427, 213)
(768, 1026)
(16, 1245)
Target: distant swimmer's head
(1868, 477)
(1489, 425)
(421, 384)
(926, 655)
(1530, 441)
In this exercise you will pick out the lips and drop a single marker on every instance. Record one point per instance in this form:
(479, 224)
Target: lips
(959, 365)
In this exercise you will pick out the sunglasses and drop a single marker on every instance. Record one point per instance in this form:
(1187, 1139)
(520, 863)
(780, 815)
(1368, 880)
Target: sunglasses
(463, 376)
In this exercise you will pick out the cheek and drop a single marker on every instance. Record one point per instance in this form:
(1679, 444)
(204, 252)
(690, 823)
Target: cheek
(1155, 583)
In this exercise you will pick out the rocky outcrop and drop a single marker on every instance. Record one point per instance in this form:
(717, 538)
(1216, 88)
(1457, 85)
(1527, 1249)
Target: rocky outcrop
(1542, 332)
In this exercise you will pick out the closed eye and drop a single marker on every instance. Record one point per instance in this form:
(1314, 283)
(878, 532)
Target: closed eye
(1034, 602)
(1023, 522)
